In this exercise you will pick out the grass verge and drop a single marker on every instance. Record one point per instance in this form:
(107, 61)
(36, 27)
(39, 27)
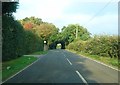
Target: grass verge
(9, 68)
(113, 62)
(39, 53)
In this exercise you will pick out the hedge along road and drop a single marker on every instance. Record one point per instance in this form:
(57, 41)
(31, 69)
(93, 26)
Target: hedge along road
(60, 66)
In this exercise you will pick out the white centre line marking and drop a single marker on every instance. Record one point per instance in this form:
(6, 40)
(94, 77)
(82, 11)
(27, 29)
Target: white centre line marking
(64, 54)
(82, 78)
(69, 61)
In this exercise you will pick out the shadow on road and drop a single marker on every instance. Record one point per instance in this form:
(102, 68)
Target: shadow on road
(92, 71)
(79, 65)
(54, 68)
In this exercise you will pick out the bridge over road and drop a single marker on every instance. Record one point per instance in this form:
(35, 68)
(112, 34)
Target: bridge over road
(61, 66)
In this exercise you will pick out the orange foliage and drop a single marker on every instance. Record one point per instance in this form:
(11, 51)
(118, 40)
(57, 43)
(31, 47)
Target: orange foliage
(28, 25)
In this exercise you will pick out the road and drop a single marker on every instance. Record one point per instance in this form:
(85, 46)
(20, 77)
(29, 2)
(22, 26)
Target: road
(60, 66)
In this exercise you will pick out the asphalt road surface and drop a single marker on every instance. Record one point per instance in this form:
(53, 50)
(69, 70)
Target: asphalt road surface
(60, 66)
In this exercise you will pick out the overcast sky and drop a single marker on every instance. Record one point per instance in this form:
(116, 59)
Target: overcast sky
(64, 12)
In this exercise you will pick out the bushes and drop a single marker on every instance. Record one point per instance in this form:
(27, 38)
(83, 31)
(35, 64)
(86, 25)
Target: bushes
(77, 45)
(32, 42)
(103, 45)
(16, 41)
(10, 38)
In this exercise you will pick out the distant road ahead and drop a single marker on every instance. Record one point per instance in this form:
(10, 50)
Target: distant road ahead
(60, 66)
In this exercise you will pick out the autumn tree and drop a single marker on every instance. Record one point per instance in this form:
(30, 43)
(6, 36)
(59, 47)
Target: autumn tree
(28, 26)
(31, 22)
(15, 40)
(46, 30)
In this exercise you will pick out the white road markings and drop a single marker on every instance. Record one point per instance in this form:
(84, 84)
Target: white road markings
(81, 77)
(78, 73)
(69, 61)
(101, 63)
(64, 54)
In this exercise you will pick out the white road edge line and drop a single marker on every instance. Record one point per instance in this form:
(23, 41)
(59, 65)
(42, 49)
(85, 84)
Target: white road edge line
(101, 63)
(20, 71)
(82, 77)
(97, 61)
(69, 61)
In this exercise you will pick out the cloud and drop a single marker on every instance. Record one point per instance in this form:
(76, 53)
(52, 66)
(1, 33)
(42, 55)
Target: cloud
(43, 9)
(56, 12)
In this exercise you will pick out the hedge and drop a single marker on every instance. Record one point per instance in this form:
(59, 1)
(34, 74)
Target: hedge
(103, 45)
(16, 41)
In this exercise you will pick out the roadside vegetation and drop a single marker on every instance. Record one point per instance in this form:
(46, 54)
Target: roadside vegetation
(106, 60)
(39, 53)
(16, 40)
(21, 37)
(27, 36)
(103, 48)
(11, 67)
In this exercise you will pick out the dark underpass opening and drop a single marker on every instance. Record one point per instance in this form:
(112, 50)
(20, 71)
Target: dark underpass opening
(57, 44)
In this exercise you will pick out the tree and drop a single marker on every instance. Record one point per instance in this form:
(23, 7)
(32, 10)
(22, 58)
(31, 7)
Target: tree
(28, 26)
(8, 8)
(69, 33)
(15, 40)
(46, 30)
(33, 20)
(8, 28)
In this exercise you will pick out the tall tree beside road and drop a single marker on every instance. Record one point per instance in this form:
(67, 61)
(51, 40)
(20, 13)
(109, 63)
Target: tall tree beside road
(16, 40)
(69, 33)
(46, 30)
(8, 8)
(11, 30)
(31, 22)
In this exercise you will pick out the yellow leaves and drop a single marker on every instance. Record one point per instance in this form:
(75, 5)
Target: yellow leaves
(45, 30)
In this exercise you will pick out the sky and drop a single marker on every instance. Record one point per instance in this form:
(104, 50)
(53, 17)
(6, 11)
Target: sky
(98, 16)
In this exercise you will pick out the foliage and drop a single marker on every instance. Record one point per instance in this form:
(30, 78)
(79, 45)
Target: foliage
(30, 23)
(32, 42)
(69, 33)
(34, 20)
(28, 26)
(15, 40)
(8, 8)
(103, 45)
(12, 43)
(46, 30)
(107, 60)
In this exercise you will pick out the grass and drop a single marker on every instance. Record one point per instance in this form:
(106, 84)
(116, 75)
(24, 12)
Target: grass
(39, 53)
(107, 60)
(9, 68)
